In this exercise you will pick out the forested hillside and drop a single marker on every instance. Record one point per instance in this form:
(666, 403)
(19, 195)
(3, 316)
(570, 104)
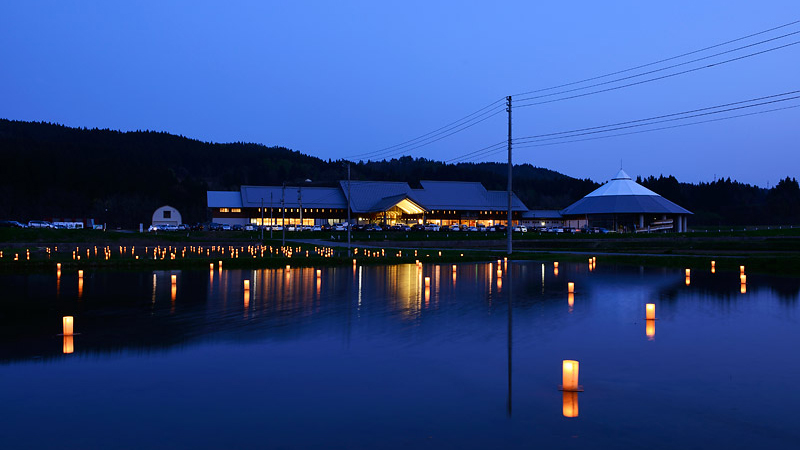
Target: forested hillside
(50, 170)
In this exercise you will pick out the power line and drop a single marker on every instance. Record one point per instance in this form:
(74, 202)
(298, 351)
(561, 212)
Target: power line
(661, 77)
(659, 70)
(467, 155)
(657, 62)
(591, 130)
(646, 131)
(441, 130)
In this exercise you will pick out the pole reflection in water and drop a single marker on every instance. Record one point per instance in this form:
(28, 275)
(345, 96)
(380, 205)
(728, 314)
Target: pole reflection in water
(570, 404)
(509, 341)
(68, 346)
(650, 329)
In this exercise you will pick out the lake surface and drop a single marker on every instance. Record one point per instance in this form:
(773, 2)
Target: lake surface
(366, 357)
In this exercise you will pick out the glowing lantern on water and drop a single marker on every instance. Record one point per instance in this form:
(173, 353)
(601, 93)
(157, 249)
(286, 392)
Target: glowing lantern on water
(743, 278)
(454, 267)
(211, 266)
(570, 404)
(650, 329)
(69, 346)
(570, 287)
(288, 267)
(650, 311)
(67, 325)
(174, 279)
(427, 282)
(80, 274)
(688, 272)
(555, 264)
(246, 285)
(570, 376)
(741, 269)
(58, 266)
(713, 264)
(319, 273)
(743, 288)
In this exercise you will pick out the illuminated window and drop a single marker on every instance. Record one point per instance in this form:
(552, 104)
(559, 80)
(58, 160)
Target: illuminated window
(236, 209)
(224, 210)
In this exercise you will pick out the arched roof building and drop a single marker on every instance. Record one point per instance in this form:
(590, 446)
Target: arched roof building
(624, 205)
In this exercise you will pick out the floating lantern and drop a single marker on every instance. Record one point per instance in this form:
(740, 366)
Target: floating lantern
(67, 325)
(741, 269)
(288, 267)
(58, 266)
(570, 376)
(713, 264)
(454, 267)
(246, 285)
(427, 282)
(174, 279)
(650, 311)
(688, 273)
(555, 264)
(211, 266)
(319, 273)
(570, 287)
(650, 329)
(570, 404)
(69, 345)
(80, 274)
(743, 279)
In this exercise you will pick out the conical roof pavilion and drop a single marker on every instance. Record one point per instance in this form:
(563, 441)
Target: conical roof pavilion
(622, 195)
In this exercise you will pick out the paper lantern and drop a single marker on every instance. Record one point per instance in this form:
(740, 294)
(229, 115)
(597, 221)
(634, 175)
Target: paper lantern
(211, 266)
(555, 264)
(454, 267)
(688, 272)
(80, 274)
(427, 282)
(246, 285)
(570, 375)
(570, 287)
(650, 311)
(174, 279)
(741, 269)
(58, 266)
(570, 404)
(67, 325)
(713, 264)
(319, 273)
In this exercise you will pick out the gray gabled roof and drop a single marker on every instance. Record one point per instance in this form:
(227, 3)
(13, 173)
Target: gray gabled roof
(465, 195)
(312, 197)
(622, 195)
(542, 214)
(376, 196)
(224, 199)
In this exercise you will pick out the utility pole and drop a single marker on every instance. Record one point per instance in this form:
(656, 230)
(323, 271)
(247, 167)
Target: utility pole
(349, 225)
(509, 229)
(300, 202)
(283, 215)
(271, 222)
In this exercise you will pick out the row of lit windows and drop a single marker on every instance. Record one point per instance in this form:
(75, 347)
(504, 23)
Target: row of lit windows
(235, 210)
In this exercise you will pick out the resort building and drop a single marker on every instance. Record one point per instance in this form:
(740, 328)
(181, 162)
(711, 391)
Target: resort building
(436, 202)
(625, 206)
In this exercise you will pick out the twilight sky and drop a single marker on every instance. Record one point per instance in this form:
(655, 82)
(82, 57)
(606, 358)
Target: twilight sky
(338, 79)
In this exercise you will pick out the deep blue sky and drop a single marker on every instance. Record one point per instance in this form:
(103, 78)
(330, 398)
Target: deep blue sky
(334, 79)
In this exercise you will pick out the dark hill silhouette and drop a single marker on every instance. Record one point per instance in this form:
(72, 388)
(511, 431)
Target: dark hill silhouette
(51, 170)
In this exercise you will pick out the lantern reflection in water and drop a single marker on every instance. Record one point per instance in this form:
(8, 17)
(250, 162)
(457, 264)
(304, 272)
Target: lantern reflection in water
(570, 376)
(688, 281)
(650, 329)
(246, 299)
(69, 345)
(80, 287)
(743, 288)
(570, 404)
(67, 325)
(174, 292)
(743, 279)
(571, 300)
(555, 271)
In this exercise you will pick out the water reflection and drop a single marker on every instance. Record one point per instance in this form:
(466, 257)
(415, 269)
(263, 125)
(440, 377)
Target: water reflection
(570, 404)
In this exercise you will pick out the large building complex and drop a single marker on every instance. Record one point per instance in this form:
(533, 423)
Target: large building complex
(619, 205)
(438, 202)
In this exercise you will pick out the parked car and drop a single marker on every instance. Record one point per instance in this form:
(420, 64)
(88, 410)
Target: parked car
(249, 227)
(40, 224)
(472, 229)
(339, 227)
(521, 229)
(431, 227)
(226, 227)
(373, 227)
(11, 224)
(417, 227)
(316, 228)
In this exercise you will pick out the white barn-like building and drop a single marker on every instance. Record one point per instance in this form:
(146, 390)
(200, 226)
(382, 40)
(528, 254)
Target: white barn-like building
(167, 215)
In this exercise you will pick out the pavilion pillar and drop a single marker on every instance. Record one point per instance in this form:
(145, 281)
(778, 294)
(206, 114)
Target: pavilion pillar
(680, 224)
(641, 221)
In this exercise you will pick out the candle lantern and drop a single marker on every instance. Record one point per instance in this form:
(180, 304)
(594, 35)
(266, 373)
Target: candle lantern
(80, 274)
(688, 272)
(319, 273)
(741, 270)
(67, 325)
(555, 264)
(570, 287)
(570, 376)
(650, 311)
(427, 282)
(246, 285)
(174, 279)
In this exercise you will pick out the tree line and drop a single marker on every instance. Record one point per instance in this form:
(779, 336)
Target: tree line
(120, 178)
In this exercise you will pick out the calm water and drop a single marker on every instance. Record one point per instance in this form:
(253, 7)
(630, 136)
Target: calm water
(366, 358)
